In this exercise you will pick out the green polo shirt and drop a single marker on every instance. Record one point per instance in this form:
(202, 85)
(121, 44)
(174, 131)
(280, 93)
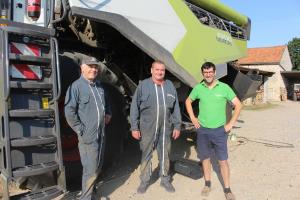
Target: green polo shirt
(212, 103)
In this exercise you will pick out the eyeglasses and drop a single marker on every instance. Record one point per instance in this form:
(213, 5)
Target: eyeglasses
(209, 72)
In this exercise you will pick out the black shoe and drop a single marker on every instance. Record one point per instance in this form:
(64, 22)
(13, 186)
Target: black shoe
(168, 186)
(142, 188)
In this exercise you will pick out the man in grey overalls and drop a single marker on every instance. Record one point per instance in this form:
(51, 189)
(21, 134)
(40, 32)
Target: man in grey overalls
(87, 113)
(155, 117)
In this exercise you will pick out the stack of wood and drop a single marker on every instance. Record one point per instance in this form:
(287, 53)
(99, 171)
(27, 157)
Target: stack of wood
(259, 98)
(283, 94)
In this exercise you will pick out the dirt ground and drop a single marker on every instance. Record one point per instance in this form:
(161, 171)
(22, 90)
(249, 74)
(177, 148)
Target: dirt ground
(264, 162)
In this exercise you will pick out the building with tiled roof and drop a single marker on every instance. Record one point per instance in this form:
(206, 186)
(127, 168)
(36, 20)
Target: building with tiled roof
(272, 59)
(264, 55)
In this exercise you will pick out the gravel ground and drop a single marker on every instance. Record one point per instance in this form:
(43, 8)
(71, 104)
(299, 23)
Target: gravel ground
(264, 162)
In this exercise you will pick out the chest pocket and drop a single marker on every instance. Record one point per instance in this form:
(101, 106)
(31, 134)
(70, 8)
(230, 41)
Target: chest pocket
(170, 100)
(145, 101)
(84, 99)
(84, 102)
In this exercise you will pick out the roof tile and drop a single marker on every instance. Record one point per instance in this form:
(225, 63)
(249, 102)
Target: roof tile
(263, 55)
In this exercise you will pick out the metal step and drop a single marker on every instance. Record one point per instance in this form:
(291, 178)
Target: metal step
(31, 113)
(32, 141)
(34, 60)
(27, 29)
(30, 85)
(31, 170)
(42, 194)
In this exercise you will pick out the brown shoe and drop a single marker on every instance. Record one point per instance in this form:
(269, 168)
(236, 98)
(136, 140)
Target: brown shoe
(229, 196)
(205, 191)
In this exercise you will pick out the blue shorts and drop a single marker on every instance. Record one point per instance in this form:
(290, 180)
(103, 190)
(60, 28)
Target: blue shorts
(209, 139)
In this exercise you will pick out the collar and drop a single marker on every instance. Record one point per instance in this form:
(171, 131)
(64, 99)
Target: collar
(91, 83)
(162, 83)
(204, 84)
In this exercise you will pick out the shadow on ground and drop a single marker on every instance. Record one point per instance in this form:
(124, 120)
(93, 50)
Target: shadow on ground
(112, 176)
(130, 160)
(117, 175)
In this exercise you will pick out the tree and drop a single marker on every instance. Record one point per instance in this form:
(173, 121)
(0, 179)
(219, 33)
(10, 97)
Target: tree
(294, 50)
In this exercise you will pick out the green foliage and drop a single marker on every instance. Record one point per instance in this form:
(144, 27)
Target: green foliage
(294, 50)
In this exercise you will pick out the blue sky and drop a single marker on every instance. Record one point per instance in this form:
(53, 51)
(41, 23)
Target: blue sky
(272, 22)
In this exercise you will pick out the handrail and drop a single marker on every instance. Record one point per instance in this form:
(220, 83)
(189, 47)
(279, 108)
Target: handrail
(6, 67)
(57, 71)
(212, 20)
(220, 9)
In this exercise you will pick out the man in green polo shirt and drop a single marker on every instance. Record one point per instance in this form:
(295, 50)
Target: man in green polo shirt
(212, 129)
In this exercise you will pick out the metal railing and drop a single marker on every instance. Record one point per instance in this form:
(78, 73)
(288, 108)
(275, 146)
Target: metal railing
(214, 21)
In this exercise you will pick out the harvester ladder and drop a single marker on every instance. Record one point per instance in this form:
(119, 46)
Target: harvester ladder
(30, 142)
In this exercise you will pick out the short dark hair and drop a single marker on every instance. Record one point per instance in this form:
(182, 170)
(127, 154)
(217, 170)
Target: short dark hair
(208, 65)
(158, 62)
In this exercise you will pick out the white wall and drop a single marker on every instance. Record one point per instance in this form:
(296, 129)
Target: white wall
(286, 62)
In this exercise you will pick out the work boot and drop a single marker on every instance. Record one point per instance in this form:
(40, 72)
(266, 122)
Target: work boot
(142, 187)
(168, 186)
(205, 191)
